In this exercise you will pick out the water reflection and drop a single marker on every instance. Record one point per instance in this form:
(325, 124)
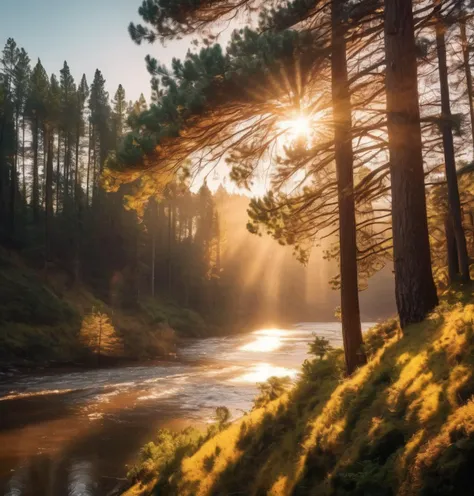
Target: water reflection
(71, 434)
(263, 344)
(263, 371)
(80, 481)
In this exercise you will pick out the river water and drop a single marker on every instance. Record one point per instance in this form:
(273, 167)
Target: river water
(73, 434)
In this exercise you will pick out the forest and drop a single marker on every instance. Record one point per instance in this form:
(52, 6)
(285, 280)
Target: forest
(316, 167)
(150, 250)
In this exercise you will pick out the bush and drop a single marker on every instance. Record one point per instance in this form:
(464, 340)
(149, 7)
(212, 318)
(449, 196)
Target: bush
(165, 454)
(332, 366)
(272, 389)
(319, 347)
(182, 320)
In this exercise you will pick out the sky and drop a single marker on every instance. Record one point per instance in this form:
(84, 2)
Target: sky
(90, 35)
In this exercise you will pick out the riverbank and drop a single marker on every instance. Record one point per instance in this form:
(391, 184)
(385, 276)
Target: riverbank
(403, 424)
(48, 322)
(79, 431)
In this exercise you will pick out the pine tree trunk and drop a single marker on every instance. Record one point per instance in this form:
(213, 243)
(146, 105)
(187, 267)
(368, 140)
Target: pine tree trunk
(170, 226)
(35, 192)
(88, 179)
(49, 137)
(454, 203)
(467, 70)
(76, 171)
(94, 166)
(14, 180)
(414, 286)
(58, 172)
(23, 125)
(351, 328)
(452, 253)
(67, 146)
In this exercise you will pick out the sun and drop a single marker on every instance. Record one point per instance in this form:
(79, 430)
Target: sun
(298, 127)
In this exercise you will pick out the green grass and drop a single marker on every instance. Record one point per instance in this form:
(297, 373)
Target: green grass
(401, 425)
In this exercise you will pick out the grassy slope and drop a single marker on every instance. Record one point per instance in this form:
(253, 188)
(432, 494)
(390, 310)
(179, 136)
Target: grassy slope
(41, 317)
(403, 424)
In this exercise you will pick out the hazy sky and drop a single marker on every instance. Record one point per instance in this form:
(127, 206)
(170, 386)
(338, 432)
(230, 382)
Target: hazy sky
(89, 34)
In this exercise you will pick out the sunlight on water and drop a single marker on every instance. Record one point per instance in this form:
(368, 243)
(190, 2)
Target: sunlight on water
(263, 371)
(263, 344)
(271, 332)
(267, 340)
(16, 396)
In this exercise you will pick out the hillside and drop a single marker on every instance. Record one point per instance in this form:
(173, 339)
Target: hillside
(403, 424)
(42, 318)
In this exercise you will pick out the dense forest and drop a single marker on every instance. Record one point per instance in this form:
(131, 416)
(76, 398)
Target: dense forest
(164, 240)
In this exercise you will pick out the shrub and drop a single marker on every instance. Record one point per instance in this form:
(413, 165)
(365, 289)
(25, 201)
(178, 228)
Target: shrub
(272, 389)
(319, 347)
(165, 454)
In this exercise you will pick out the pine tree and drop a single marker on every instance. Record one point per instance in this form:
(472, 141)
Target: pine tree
(100, 112)
(344, 158)
(82, 97)
(52, 123)
(9, 61)
(37, 110)
(22, 80)
(414, 285)
(119, 110)
(454, 211)
(68, 124)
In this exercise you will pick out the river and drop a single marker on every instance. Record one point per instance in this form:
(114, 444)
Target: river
(73, 434)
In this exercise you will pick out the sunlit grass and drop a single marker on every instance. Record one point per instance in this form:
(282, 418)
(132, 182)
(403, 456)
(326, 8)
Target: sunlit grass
(402, 424)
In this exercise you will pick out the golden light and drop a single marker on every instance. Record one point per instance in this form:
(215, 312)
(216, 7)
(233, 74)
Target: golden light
(263, 344)
(263, 371)
(271, 332)
(299, 127)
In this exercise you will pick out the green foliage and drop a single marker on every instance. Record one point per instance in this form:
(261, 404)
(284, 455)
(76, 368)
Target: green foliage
(159, 459)
(222, 417)
(165, 454)
(25, 300)
(320, 347)
(182, 320)
(34, 323)
(271, 389)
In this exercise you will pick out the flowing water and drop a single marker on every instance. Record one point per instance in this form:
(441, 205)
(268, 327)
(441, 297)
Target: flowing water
(72, 434)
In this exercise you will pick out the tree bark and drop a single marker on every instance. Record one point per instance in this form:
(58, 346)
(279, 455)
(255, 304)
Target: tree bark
(89, 165)
(454, 203)
(58, 172)
(170, 227)
(342, 114)
(49, 195)
(35, 192)
(467, 70)
(23, 125)
(452, 254)
(14, 179)
(414, 286)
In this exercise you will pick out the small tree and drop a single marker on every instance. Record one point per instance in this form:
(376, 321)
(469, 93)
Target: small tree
(272, 389)
(98, 333)
(222, 417)
(319, 347)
